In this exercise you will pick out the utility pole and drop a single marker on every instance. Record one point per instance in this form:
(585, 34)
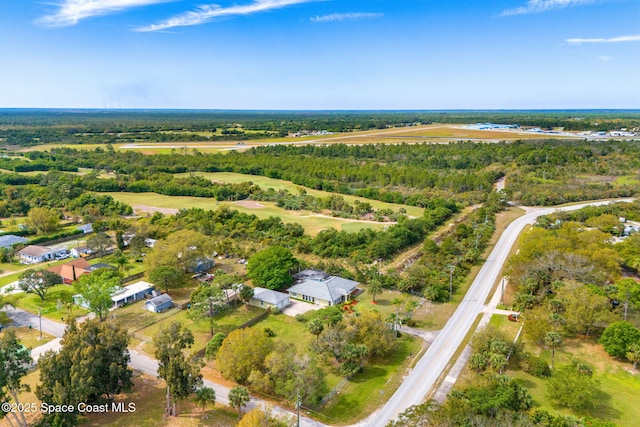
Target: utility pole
(211, 315)
(40, 320)
(298, 404)
(451, 267)
(626, 306)
(502, 293)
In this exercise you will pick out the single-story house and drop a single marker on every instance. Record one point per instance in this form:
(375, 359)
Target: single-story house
(201, 264)
(266, 298)
(71, 270)
(133, 292)
(86, 228)
(80, 252)
(320, 288)
(159, 304)
(34, 254)
(8, 240)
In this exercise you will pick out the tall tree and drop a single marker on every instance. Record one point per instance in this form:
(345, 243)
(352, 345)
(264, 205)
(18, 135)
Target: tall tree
(43, 220)
(316, 327)
(14, 365)
(553, 340)
(99, 243)
(96, 290)
(241, 352)
(167, 276)
(239, 397)
(92, 365)
(181, 250)
(573, 386)
(181, 374)
(375, 287)
(634, 354)
(270, 268)
(38, 281)
(206, 301)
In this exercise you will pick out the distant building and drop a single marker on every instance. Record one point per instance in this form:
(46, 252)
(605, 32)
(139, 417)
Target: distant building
(266, 298)
(159, 304)
(201, 264)
(80, 252)
(86, 228)
(8, 240)
(34, 254)
(320, 288)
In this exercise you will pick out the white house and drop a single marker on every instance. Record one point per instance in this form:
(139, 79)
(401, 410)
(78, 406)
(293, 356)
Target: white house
(133, 292)
(34, 254)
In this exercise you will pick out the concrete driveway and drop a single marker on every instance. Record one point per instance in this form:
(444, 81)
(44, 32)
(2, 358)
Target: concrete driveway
(299, 307)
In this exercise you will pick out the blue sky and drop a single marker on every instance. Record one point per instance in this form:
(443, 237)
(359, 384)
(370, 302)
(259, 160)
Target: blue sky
(320, 54)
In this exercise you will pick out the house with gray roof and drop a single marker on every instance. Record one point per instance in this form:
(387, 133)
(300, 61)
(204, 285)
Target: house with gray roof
(159, 304)
(320, 288)
(8, 240)
(266, 298)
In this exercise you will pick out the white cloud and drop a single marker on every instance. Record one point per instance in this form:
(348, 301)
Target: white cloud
(533, 6)
(70, 12)
(345, 16)
(619, 39)
(605, 58)
(206, 13)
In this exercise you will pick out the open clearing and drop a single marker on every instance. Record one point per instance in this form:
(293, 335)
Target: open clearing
(312, 223)
(279, 184)
(414, 134)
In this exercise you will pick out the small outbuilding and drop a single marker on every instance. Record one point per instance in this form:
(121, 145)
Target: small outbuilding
(159, 304)
(266, 298)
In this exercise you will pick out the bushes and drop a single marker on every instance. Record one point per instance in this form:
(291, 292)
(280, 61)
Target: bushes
(534, 365)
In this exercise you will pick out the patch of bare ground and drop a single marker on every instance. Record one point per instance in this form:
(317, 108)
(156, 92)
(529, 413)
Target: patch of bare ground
(154, 209)
(249, 204)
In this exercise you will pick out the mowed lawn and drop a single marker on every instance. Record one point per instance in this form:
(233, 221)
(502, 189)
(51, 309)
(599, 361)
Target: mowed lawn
(279, 184)
(311, 222)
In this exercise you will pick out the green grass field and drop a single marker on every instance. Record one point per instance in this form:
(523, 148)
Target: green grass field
(620, 385)
(54, 306)
(312, 223)
(279, 184)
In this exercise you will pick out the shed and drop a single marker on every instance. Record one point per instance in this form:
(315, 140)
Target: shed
(159, 303)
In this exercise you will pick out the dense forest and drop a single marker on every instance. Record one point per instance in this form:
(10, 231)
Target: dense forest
(543, 172)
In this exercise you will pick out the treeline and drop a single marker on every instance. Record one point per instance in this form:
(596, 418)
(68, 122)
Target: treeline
(26, 127)
(64, 192)
(366, 245)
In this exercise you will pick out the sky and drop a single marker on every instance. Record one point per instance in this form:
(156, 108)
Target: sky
(320, 54)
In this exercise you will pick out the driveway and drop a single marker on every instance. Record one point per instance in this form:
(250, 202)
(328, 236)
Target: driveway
(299, 307)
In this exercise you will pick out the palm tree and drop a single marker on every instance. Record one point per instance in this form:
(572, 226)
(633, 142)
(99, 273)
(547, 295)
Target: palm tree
(205, 396)
(375, 287)
(239, 397)
(316, 327)
(552, 339)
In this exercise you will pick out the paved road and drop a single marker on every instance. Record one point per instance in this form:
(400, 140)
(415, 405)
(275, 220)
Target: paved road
(421, 379)
(419, 382)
